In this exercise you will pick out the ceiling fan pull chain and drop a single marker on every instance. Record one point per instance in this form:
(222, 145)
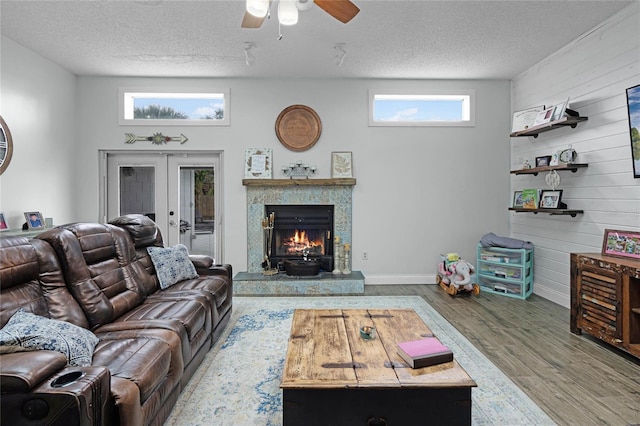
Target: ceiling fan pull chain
(279, 31)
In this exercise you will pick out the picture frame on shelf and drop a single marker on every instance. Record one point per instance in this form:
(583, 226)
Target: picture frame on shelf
(543, 161)
(517, 199)
(4, 226)
(258, 163)
(621, 243)
(559, 110)
(530, 198)
(544, 116)
(555, 159)
(525, 118)
(34, 220)
(551, 199)
(341, 164)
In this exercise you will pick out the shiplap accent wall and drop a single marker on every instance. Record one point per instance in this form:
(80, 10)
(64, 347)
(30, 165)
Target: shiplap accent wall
(594, 72)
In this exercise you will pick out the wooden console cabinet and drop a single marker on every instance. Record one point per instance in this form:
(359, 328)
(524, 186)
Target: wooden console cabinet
(605, 299)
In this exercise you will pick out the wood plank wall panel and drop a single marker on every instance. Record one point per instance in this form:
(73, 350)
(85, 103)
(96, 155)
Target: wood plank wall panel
(594, 71)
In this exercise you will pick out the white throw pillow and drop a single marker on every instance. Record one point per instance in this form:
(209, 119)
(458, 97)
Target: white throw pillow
(33, 332)
(172, 264)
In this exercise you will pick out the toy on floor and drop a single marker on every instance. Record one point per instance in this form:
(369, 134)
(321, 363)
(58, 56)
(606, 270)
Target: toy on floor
(454, 275)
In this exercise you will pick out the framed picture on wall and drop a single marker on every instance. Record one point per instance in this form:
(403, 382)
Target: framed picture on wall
(258, 163)
(34, 220)
(621, 243)
(341, 165)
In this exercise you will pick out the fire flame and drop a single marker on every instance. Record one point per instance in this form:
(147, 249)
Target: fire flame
(299, 241)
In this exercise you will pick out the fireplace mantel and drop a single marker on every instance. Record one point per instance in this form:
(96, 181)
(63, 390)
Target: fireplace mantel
(299, 182)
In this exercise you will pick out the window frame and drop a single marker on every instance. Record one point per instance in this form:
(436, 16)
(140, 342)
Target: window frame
(467, 95)
(126, 101)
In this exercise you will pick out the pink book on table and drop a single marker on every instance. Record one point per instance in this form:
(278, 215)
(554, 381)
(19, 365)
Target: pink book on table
(422, 347)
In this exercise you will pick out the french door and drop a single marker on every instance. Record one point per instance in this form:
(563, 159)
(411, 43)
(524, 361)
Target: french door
(180, 191)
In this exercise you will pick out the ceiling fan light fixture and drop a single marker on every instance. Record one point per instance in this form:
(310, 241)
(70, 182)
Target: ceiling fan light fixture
(258, 8)
(287, 12)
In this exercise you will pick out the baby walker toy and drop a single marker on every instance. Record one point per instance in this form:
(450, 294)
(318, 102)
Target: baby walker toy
(454, 275)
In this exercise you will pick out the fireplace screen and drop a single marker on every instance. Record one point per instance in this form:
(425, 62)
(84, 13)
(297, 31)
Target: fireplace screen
(301, 231)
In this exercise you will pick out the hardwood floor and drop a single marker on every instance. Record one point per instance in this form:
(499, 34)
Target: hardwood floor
(576, 380)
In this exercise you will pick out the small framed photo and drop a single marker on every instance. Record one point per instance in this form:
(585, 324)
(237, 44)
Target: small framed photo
(544, 116)
(621, 244)
(517, 199)
(550, 199)
(559, 110)
(530, 198)
(341, 165)
(555, 159)
(258, 163)
(543, 161)
(4, 226)
(34, 220)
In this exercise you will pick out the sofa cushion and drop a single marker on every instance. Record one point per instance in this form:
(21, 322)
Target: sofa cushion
(33, 332)
(172, 264)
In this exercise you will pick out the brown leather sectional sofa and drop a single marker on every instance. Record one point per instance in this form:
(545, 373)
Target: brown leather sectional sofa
(101, 278)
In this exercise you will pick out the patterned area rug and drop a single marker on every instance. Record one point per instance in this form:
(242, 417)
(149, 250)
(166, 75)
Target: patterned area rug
(238, 383)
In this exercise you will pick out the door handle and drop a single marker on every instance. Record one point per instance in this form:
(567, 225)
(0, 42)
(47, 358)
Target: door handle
(173, 223)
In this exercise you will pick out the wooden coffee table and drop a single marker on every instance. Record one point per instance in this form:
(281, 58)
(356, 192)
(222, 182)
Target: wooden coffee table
(334, 377)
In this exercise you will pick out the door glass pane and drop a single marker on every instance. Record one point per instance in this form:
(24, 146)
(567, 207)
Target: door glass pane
(197, 210)
(137, 190)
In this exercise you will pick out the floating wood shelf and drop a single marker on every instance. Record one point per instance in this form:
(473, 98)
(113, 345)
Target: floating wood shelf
(535, 170)
(299, 182)
(561, 212)
(563, 122)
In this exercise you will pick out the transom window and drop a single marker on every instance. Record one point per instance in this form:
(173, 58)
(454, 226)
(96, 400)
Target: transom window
(157, 107)
(422, 109)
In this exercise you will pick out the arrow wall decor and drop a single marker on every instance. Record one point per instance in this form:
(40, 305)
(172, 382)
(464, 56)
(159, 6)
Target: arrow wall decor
(156, 138)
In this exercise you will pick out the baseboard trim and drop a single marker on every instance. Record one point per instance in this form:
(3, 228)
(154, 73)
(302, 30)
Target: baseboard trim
(552, 295)
(399, 279)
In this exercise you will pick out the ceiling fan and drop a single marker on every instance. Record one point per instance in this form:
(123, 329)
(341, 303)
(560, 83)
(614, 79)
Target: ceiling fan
(258, 10)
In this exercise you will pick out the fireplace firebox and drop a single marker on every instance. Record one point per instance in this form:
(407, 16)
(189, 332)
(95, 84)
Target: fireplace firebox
(302, 232)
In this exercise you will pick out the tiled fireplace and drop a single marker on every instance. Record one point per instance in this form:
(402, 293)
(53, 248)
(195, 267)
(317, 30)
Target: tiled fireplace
(263, 192)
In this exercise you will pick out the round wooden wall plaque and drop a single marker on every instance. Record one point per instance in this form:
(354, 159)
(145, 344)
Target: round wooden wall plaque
(298, 127)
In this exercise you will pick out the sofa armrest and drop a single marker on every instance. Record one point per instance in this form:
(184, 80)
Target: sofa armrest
(71, 396)
(23, 371)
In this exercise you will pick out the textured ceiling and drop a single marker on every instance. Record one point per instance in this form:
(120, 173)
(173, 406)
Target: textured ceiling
(387, 39)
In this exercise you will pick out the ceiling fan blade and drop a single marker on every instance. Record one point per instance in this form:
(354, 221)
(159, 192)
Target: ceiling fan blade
(342, 10)
(250, 21)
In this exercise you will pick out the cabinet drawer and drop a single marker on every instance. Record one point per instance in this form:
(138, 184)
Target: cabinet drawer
(504, 271)
(497, 255)
(503, 286)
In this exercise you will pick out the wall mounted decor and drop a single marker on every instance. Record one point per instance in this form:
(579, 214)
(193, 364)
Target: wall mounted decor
(633, 109)
(6, 146)
(298, 127)
(341, 165)
(258, 163)
(156, 138)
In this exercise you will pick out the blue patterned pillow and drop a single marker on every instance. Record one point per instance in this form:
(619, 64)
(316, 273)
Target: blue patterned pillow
(33, 332)
(172, 264)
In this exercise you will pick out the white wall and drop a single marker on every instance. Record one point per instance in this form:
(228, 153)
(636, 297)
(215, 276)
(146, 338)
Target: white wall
(420, 191)
(38, 102)
(594, 71)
